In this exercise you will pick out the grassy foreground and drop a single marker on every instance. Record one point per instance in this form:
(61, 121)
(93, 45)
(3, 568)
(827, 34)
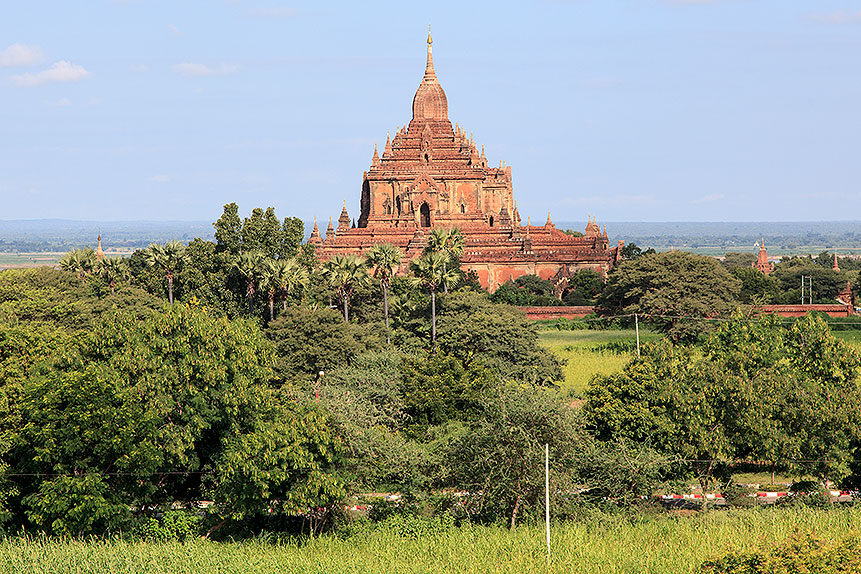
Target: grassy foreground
(607, 544)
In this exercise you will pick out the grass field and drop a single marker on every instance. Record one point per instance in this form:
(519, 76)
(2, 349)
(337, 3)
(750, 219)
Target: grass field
(29, 259)
(663, 544)
(586, 354)
(851, 337)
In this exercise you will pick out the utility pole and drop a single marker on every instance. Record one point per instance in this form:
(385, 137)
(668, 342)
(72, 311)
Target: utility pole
(547, 498)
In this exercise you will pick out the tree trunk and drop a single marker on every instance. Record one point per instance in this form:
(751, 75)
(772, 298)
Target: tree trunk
(444, 283)
(272, 306)
(386, 310)
(346, 309)
(249, 292)
(704, 482)
(433, 319)
(215, 527)
(170, 288)
(514, 512)
(114, 285)
(284, 304)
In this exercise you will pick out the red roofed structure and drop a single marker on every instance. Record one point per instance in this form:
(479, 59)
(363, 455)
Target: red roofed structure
(431, 174)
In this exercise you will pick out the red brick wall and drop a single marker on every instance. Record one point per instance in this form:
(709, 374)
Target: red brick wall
(538, 313)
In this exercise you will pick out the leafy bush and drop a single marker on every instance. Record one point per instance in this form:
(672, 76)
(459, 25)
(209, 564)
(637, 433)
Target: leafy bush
(735, 494)
(416, 526)
(179, 525)
(802, 552)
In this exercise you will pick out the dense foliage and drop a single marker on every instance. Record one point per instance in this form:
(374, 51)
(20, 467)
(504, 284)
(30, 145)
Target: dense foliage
(756, 391)
(242, 384)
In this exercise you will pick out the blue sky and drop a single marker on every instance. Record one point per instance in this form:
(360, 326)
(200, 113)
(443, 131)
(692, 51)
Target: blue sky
(637, 110)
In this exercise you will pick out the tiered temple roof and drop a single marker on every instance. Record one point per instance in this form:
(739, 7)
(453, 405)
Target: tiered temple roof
(431, 174)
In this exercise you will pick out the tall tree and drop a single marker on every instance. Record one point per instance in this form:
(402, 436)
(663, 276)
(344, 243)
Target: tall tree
(344, 273)
(113, 269)
(675, 290)
(431, 273)
(281, 277)
(228, 229)
(249, 265)
(449, 242)
(290, 277)
(262, 232)
(292, 234)
(81, 262)
(385, 258)
(168, 259)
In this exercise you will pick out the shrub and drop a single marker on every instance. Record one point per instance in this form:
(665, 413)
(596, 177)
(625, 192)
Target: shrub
(802, 552)
(179, 525)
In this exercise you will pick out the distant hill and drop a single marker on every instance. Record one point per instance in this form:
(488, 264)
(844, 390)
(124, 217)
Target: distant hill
(714, 238)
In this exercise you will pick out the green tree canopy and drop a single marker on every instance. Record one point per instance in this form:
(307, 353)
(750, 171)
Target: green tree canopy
(758, 391)
(177, 407)
(672, 289)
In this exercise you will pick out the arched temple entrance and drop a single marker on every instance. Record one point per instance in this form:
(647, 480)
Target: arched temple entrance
(424, 214)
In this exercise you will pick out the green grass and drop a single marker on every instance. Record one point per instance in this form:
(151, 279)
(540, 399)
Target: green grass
(853, 338)
(28, 259)
(664, 544)
(584, 356)
(581, 349)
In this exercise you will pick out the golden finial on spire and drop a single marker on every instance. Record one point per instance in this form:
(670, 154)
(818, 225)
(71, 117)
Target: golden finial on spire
(430, 40)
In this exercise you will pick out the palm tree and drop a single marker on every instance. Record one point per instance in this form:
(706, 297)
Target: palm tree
(113, 269)
(344, 273)
(449, 242)
(268, 283)
(250, 266)
(290, 275)
(431, 272)
(168, 259)
(385, 258)
(80, 262)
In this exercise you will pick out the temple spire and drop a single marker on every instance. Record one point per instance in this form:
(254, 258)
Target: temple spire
(330, 231)
(835, 267)
(315, 234)
(429, 71)
(344, 220)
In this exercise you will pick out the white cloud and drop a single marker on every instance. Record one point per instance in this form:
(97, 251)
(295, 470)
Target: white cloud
(61, 103)
(708, 198)
(60, 72)
(202, 70)
(174, 30)
(20, 55)
(838, 17)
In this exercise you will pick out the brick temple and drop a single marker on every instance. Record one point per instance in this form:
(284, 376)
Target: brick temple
(431, 174)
